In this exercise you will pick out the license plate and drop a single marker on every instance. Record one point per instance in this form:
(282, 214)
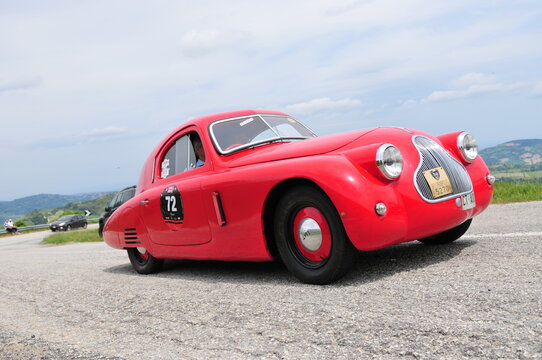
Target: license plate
(468, 201)
(438, 182)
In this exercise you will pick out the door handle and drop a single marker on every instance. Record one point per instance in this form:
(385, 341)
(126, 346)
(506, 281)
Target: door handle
(144, 202)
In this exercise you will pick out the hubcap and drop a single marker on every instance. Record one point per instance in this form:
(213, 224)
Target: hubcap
(312, 237)
(310, 234)
(142, 253)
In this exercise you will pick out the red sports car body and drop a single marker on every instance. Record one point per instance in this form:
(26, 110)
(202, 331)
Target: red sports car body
(257, 185)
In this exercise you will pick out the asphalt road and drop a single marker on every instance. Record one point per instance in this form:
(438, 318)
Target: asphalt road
(480, 297)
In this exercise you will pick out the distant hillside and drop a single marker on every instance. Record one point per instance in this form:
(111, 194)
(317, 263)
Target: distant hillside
(43, 216)
(19, 207)
(516, 153)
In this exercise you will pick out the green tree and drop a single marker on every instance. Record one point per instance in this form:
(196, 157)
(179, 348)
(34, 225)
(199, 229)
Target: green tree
(20, 223)
(36, 217)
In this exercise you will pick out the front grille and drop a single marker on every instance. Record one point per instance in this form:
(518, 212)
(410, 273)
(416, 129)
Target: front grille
(432, 156)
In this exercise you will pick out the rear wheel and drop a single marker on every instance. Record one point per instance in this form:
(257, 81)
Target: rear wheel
(310, 237)
(447, 236)
(143, 262)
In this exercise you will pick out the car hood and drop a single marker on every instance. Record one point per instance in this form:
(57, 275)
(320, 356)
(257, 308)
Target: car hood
(309, 147)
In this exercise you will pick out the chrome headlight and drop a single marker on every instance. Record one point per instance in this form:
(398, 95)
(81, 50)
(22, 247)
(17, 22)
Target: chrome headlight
(468, 147)
(390, 161)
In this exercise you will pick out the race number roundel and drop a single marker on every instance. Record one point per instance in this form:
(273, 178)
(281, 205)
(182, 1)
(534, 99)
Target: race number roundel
(171, 204)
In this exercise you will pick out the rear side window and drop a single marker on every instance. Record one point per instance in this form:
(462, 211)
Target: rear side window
(114, 200)
(181, 156)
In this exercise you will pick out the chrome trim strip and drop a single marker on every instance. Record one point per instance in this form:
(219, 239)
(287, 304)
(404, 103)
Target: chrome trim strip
(420, 192)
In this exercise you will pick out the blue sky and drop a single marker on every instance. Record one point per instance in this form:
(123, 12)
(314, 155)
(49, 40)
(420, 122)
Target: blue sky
(87, 88)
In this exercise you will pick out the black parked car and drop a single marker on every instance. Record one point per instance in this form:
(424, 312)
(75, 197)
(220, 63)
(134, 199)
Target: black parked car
(119, 199)
(68, 222)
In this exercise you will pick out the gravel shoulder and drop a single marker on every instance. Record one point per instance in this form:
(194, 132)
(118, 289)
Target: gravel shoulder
(479, 297)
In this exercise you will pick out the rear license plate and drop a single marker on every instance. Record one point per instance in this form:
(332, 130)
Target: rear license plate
(438, 182)
(468, 201)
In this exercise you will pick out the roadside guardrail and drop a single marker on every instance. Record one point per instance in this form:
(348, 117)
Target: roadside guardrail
(42, 226)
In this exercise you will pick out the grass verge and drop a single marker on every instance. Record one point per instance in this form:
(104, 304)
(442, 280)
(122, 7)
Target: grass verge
(90, 235)
(506, 192)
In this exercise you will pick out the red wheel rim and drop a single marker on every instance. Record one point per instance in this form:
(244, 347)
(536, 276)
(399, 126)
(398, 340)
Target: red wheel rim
(307, 240)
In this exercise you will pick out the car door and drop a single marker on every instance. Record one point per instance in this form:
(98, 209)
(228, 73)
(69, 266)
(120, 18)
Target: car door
(173, 209)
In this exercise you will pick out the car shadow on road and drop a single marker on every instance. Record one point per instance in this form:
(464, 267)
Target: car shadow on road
(370, 266)
(374, 265)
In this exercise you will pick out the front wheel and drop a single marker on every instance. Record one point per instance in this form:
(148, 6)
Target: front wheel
(143, 262)
(68, 228)
(310, 237)
(447, 236)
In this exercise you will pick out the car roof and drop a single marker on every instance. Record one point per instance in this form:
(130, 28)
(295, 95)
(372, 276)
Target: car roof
(202, 122)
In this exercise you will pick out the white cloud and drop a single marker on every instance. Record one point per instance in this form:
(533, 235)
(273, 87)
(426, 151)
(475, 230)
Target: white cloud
(470, 84)
(473, 79)
(199, 42)
(322, 104)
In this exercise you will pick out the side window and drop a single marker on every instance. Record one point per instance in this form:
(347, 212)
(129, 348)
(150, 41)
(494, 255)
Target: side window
(113, 201)
(127, 195)
(118, 199)
(185, 154)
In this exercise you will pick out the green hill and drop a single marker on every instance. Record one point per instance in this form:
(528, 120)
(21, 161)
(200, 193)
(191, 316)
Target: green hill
(16, 208)
(96, 207)
(516, 153)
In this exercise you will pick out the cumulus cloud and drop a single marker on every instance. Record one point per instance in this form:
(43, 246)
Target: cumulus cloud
(322, 104)
(470, 84)
(200, 42)
(473, 79)
(14, 85)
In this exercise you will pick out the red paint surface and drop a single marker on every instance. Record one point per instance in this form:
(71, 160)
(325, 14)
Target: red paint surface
(343, 166)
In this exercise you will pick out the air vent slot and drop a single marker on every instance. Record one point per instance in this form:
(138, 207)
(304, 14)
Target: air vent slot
(131, 236)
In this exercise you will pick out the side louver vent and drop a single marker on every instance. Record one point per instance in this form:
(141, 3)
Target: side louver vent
(131, 237)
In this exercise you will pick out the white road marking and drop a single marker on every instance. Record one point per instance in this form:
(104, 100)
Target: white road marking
(501, 235)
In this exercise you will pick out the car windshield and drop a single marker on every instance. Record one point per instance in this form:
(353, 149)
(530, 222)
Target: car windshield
(230, 135)
(65, 218)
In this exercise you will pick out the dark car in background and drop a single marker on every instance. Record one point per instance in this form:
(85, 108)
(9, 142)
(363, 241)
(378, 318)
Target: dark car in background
(120, 198)
(68, 222)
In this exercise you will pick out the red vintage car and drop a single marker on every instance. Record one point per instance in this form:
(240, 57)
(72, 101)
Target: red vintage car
(257, 185)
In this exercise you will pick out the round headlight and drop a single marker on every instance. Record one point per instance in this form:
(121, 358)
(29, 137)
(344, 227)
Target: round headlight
(468, 147)
(390, 161)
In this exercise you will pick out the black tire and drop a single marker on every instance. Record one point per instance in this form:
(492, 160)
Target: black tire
(447, 236)
(101, 229)
(68, 228)
(144, 263)
(85, 225)
(335, 255)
